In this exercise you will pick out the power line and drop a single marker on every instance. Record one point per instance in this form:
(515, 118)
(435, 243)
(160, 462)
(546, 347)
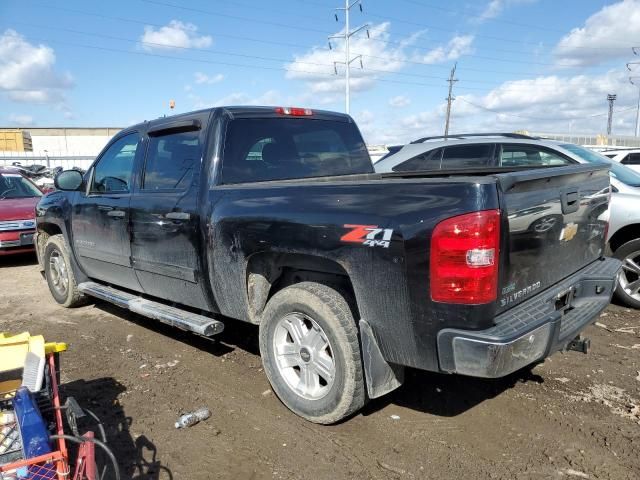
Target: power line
(401, 43)
(284, 60)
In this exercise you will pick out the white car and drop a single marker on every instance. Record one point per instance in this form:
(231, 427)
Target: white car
(495, 150)
(626, 156)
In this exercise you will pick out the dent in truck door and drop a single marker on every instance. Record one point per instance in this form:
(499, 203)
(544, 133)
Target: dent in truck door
(101, 215)
(165, 225)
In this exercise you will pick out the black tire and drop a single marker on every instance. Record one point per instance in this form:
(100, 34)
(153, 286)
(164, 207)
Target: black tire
(330, 311)
(631, 250)
(70, 296)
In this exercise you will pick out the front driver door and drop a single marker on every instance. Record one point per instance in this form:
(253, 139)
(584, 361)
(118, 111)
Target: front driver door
(101, 215)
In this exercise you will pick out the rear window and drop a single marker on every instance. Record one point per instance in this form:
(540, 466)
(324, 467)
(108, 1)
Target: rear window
(258, 150)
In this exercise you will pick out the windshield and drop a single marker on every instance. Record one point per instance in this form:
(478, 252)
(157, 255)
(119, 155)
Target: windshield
(618, 171)
(13, 185)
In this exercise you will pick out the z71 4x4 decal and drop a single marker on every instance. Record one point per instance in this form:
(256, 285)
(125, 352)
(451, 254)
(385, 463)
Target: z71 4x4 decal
(369, 235)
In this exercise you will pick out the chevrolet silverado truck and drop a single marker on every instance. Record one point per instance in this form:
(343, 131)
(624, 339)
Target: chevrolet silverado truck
(275, 216)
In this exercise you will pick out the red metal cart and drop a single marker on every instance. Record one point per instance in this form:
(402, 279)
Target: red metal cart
(54, 465)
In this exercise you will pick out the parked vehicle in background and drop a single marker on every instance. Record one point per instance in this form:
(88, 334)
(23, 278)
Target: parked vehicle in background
(629, 157)
(18, 199)
(623, 238)
(488, 150)
(275, 216)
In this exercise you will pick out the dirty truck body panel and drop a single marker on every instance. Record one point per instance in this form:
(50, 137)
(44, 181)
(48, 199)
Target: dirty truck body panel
(212, 240)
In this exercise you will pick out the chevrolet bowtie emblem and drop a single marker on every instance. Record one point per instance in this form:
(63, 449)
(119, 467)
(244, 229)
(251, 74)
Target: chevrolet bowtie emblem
(568, 232)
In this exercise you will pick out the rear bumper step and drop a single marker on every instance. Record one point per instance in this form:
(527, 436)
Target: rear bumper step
(534, 329)
(164, 313)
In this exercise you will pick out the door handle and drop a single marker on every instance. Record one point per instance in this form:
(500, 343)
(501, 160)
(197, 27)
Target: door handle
(177, 216)
(570, 202)
(116, 213)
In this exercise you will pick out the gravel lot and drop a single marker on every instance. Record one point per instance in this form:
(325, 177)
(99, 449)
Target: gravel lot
(573, 417)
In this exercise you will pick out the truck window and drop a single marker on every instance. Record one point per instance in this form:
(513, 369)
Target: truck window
(529, 155)
(113, 170)
(258, 150)
(171, 161)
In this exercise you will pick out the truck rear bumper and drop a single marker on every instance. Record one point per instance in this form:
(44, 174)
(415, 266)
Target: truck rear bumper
(533, 329)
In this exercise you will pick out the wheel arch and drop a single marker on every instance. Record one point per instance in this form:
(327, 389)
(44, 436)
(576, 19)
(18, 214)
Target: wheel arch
(270, 272)
(624, 235)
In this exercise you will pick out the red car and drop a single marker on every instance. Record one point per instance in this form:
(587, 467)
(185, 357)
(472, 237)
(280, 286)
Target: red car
(18, 199)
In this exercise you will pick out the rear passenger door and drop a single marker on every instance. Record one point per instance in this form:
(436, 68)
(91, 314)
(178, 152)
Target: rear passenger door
(165, 222)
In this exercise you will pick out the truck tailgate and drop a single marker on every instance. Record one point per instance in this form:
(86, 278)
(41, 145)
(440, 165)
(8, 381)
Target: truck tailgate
(555, 227)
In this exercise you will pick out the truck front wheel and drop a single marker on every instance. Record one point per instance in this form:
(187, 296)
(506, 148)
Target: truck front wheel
(311, 353)
(58, 272)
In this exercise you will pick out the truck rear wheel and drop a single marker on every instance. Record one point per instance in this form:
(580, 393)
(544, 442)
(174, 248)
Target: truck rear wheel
(59, 274)
(311, 353)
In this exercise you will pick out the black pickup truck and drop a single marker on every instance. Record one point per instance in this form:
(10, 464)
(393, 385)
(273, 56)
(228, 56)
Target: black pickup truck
(274, 216)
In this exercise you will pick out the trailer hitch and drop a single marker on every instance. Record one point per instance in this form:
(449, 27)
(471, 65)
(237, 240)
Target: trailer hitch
(579, 344)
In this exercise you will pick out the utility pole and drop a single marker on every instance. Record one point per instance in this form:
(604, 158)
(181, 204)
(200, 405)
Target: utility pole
(610, 98)
(450, 98)
(635, 80)
(347, 56)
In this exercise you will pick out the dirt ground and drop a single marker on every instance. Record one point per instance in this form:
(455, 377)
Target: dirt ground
(573, 417)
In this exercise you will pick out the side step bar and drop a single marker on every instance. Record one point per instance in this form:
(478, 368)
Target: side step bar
(170, 315)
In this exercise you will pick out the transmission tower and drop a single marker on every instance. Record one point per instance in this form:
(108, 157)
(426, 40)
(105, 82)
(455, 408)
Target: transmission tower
(610, 98)
(346, 36)
(450, 98)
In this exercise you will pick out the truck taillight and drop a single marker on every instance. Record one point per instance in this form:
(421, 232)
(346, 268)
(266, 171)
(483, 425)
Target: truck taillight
(464, 258)
(294, 111)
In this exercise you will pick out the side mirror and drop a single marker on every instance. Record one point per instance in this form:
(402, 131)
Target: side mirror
(68, 180)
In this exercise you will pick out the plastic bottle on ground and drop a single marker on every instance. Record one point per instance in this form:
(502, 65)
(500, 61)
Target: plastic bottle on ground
(189, 419)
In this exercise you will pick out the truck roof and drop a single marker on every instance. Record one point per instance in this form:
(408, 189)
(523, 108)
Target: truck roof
(244, 111)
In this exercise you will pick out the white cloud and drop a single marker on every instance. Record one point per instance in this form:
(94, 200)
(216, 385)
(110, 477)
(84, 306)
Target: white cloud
(176, 34)
(454, 49)
(544, 104)
(316, 67)
(399, 101)
(21, 120)
(27, 72)
(495, 7)
(603, 36)
(202, 78)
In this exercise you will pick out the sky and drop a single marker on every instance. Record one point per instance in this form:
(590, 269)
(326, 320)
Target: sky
(534, 65)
